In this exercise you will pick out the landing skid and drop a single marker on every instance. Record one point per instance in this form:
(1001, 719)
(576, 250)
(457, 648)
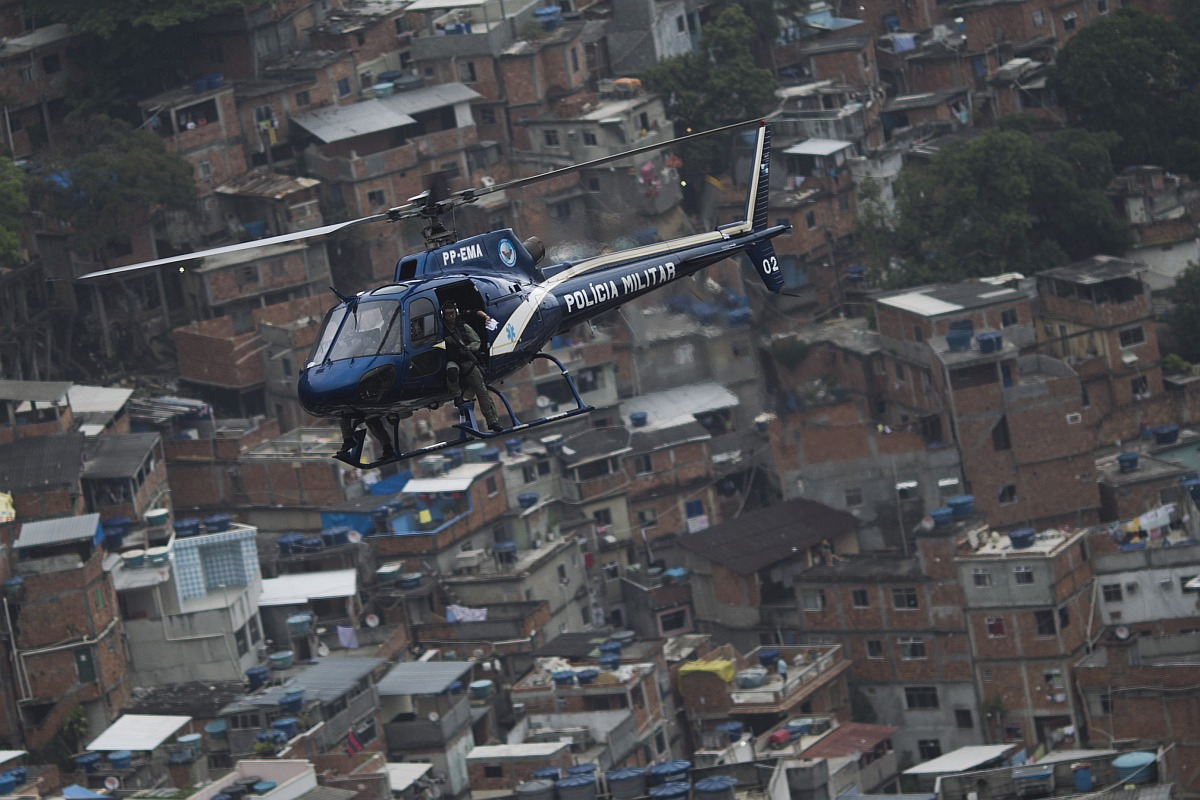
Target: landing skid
(467, 426)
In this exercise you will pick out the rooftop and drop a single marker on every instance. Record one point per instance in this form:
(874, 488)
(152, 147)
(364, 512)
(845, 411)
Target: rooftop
(303, 587)
(906, 102)
(769, 535)
(963, 759)
(950, 298)
(138, 732)
(117, 456)
(268, 185)
(849, 738)
(56, 531)
(1096, 269)
(198, 699)
(34, 391)
(41, 463)
(527, 750)
(422, 677)
(326, 680)
(1109, 471)
(993, 544)
(678, 406)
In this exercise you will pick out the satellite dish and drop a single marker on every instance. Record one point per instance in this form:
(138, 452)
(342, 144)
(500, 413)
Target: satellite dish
(112, 783)
(322, 649)
(1122, 632)
(542, 401)
(433, 716)
(354, 537)
(372, 621)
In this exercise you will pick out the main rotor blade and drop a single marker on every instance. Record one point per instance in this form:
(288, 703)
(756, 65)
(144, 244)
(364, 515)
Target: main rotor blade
(470, 195)
(233, 248)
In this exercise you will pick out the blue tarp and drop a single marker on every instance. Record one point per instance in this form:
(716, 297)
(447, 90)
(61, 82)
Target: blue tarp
(75, 790)
(392, 484)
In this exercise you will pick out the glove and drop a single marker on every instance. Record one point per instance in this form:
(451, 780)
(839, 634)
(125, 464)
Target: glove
(491, 324)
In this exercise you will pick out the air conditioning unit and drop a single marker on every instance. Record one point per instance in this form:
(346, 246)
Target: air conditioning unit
(1074, 419)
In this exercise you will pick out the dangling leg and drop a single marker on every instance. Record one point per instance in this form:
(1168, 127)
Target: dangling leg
(479, 390)
(380, 432)
(347, 426)
(452, 374)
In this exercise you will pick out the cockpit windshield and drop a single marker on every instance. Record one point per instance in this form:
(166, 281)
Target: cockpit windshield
(359, 330)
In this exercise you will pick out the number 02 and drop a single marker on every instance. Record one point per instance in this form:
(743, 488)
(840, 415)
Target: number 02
(770, 265)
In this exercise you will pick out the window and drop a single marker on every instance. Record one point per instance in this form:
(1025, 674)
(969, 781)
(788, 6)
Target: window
(1102, 703)
(603, 516)
(673, 621)
(1000, 437)
(1102, 6)
(550, 137)
(647, 518)
(376, 198)
(642, 464)
(929, 748)
(1064, 618)
(907, 490)
(612, 570)
(694, 508)
(1007, 494)
(574, 60)
(905, 598)
(1008, 317)
(493, 771)
(243, 722)
(1132, 337)
(680, 25)
(204, 169)
(529, 473)
(1043, 623)
(487, 116)
(543, 467)
(343, 87)
(562, 573)
(874, 648)
(963, 719)
(466, 72)
(99, 597)
(561, 210)
(1140, 387)
(919, 697)
(812, 599)
(1022, 576)
(1069, 21)
(860, 598)
(491, 486)
(302, 99)
(918, 334)
(1112, 593)
(252, 627)
(51, 64)
(589, 138)
(1039, 18)
(1183, 584)
(854, 497)
(899, 371)
(810, 219)
(365, 79)
(995, 627)
(592, 183)
(912, 648)
(981, 576)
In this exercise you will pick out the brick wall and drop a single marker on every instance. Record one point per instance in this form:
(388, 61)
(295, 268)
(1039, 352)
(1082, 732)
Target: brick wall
(210, 352)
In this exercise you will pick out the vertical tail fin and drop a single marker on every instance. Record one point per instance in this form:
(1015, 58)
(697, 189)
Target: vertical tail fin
(762, 255)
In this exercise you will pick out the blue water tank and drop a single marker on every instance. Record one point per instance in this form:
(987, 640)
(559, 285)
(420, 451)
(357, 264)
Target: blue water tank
(1134, 767)
(638, 419)
(7, 783)
(563, 677)
(609, 662)
(187, 527)
(19, 775)
(942, 516)
(120, 759)
(1166, 434)
(587, 676)
(732, 729)
(218, 523)
(962, 505)
(626, 783)
(577, 787)
(527, 499)
(1082, 772)
(1022, 538)
(547, 773)
(513, 446)
(768, 657)
(582, 769)
(287, 543)
(670, 771)
(716, 787)
(670, 791)
(336, 536)
(1127, 462)
(289, 725)
(610, 648)
(257, 676)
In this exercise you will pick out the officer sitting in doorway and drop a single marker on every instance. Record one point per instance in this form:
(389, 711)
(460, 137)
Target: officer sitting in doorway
(464, 378)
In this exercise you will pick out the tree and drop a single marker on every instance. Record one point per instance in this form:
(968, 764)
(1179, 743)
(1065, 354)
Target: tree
(717, 85)
(12, 202)
(1131, 73)
(106, 178)
(1004, 201)
(106, 18)
(1184, 319)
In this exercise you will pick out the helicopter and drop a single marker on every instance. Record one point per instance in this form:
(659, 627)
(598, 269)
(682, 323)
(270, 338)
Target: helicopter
(381, 354)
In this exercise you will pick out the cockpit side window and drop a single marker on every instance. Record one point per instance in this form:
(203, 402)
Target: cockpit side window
(422, 323)
(333, 321)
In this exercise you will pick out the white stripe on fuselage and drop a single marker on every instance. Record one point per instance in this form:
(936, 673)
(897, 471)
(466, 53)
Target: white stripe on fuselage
(511, 332)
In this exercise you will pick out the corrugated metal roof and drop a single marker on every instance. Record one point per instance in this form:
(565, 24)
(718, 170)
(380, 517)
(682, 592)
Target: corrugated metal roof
(97, 399)
(63, 529)
(42, 462)
(289, 590)
(427, 98)
(962, 759)
(117, 456)
(678, 406)
(138, 732)
(458, 479)
(422, 677)
(817, 147)
(337, 123)
(36, 391)
(328, 793)
(326, 680)
(403, 775)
